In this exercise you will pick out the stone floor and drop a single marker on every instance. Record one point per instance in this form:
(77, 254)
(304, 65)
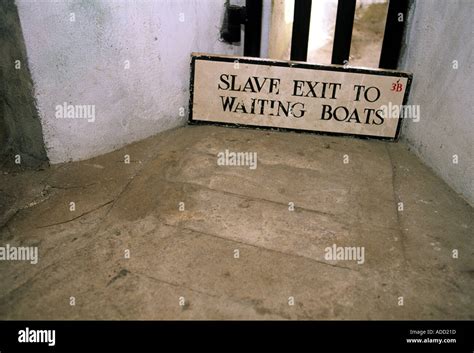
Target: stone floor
(183, 264)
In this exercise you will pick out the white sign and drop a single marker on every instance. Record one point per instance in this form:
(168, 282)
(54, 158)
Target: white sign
(297, 96)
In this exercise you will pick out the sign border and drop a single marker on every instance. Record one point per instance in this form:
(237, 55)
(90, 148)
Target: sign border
(295, 64)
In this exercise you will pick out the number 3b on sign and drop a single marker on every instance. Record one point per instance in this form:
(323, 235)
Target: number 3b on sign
(397, 86)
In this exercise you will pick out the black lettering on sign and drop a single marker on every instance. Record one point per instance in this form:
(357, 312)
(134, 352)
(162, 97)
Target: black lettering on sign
(315, 89)
(253, 84)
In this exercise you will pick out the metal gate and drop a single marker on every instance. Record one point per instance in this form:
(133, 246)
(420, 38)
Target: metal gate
(251, 17)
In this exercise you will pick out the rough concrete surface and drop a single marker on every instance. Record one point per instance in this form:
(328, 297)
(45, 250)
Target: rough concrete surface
(189, 255)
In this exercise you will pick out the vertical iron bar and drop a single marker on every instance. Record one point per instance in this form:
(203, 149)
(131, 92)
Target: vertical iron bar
(393, 35)
(253, 28)
(343, 32)
(300, 33)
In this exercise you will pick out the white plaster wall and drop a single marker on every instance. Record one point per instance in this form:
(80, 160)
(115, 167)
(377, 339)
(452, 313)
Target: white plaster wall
(440, 32)
(83, 63)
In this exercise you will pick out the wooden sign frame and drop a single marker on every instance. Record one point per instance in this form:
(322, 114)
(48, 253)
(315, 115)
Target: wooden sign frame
(292, 64)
